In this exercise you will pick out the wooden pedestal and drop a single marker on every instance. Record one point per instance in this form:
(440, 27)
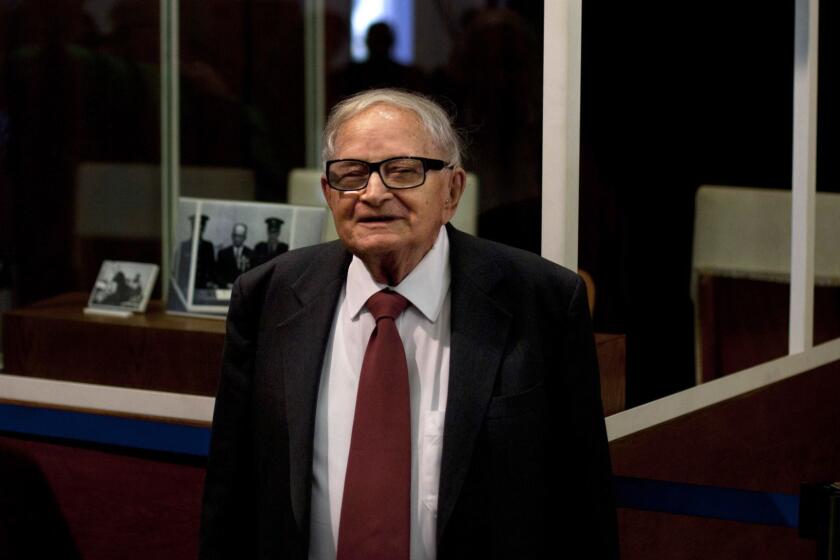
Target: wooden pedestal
(54, 339)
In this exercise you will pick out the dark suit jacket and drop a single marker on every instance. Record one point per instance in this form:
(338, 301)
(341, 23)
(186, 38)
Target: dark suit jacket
(226, 265)
(525, 468)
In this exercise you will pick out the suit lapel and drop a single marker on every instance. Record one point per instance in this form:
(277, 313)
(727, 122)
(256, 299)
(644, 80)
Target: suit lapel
(301, 341)
(479, 327)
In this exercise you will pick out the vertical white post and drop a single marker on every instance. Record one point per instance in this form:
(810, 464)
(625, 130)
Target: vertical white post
(804, 177)
(170, 135)
(314, 82)
(561, 131)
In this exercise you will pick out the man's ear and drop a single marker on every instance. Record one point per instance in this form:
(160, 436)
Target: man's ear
(457, 183)
(326, 190)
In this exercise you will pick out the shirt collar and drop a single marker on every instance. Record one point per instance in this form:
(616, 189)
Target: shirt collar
(425, 286)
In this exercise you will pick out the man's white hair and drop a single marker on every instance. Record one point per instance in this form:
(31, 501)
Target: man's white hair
(433, 117)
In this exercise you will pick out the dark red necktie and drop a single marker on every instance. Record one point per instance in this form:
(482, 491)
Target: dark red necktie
(376, 507)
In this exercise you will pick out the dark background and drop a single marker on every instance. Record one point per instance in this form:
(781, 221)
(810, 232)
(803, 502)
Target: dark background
(677, 95)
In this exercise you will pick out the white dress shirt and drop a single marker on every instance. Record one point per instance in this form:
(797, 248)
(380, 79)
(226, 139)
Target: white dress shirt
(425, 330)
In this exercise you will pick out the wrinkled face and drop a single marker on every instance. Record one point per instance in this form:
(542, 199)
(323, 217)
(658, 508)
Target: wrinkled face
(239, 234)
(399, 224)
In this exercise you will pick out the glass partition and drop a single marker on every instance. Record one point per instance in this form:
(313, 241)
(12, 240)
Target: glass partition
(79, 143)
(485, 65)
(241, 109)
(827, 225)
(663, 146)
(243, 78)
(696, 277)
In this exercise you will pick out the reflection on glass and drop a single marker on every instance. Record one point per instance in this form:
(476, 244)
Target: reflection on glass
(741, 277)
(242, 94)
(485, 65)
(827, 266)
(392, 22)
(79, 142)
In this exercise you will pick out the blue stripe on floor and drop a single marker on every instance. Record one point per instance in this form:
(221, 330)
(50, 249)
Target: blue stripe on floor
(763, 508)
(100, 428)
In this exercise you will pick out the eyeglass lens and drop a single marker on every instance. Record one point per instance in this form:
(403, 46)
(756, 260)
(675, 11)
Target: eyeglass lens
(399, 173)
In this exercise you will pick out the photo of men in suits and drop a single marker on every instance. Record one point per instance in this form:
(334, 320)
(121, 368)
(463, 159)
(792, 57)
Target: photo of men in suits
(408, 391)
(234, 259)
(266, 250)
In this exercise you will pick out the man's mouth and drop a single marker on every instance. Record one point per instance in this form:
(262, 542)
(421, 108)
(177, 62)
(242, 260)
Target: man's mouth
(377, 219)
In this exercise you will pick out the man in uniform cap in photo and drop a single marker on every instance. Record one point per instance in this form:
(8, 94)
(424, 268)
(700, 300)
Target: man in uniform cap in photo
(267, 250)
(206, 265)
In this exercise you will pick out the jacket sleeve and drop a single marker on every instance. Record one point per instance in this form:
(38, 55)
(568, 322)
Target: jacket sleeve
(593, 493)
(228, 515)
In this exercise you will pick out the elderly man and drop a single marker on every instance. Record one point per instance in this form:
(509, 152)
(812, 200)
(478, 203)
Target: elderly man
(409, 391)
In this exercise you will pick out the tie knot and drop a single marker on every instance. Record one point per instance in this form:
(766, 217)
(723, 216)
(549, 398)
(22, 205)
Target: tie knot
(386, 304)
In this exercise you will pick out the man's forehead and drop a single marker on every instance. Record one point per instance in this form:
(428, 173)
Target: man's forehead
(383, 115)
(391, 112)
(388, 112)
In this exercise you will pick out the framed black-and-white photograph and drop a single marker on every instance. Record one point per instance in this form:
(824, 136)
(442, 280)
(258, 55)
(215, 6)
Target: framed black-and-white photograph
(122, 288)
(217, 240)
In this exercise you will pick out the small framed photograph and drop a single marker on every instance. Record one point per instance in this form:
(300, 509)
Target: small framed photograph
(122, 287)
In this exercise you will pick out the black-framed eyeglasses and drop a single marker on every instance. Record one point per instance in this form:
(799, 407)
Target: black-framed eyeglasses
(402, 172)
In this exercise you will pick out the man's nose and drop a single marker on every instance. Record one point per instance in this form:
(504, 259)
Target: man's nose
(375, 193)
